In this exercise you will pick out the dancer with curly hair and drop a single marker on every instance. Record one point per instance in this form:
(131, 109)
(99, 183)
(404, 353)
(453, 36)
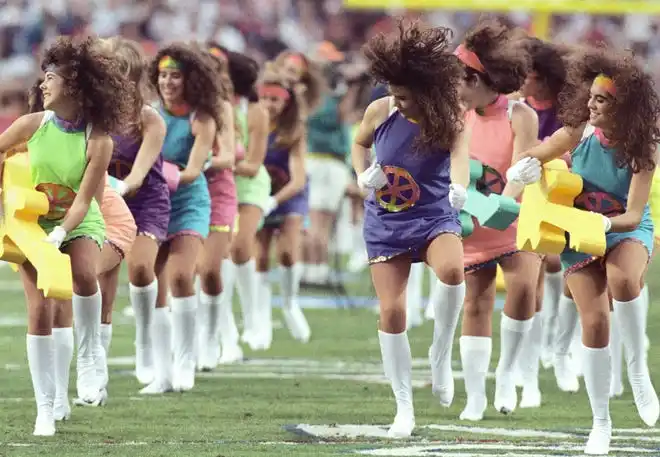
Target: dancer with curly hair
(287, 206)
(416, 186)
(253, 191)
(138, 165)
(190, 95)
(610, 111)
(85, 98)
(540, 90)
(224, 220)
(494, 65)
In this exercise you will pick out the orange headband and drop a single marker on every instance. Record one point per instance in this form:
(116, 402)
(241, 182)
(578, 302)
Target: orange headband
(273, 90)
(469, 58)
(168, 62)
(218, 53)
(606, 83)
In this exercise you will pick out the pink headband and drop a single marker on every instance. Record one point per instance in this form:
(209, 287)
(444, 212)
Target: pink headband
(469, 58)
(273, 90)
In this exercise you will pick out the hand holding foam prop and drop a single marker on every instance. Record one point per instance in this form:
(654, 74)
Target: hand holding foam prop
(22, 239)
(493, 211)
(547, 214)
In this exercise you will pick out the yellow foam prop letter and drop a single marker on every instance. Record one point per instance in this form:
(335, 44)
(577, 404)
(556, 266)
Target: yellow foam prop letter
(547, 214)
(21, 237)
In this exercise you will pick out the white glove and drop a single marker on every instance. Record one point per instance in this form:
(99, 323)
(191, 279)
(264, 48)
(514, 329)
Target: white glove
(56, 236)
(121, 187)
(607, 223)
(457, 196)
(372, 178)
(525, 171)
(270, 205)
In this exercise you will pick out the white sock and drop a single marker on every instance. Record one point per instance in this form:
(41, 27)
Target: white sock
(143, 301)
(530, 353)
(645, 297)
(106, 337)
(264, 304)
(567, 319)
(448, 304)
(552, 287)
(512, 333)
(87, 325)
(63, 354)
(252, 311)
(40, 355)
(161, 336)
(630, 316)
(597, 372)
(207, 323)
(475, 358)
(184, 310)
(414, 295)
(397, 365)
(226, 323)
(616, 351)
(290, 284)
(433, 294)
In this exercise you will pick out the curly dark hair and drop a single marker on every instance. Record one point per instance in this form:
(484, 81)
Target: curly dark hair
(635, 108)
(290, 125)
(417, 57)
(502, 55)
(202, 89)
(548, 64)
(243, 71)
(36, 97)
(220, 66)
(94, 80)
(312, 79)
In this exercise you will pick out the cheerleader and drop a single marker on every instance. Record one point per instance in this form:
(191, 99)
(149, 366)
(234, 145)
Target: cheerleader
(501, 129)
(189, 93)
(415, 188)
(540, 91)
(85, 96)
(253, 192)
(611, 117)
(287, 205)
(224, 210)
(137, 164)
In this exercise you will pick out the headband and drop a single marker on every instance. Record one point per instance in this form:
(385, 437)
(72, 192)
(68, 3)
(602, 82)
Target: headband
(469, 58)
(273, 90)
(605, 83)
(298, 59)
(218, 53)
(168, 62)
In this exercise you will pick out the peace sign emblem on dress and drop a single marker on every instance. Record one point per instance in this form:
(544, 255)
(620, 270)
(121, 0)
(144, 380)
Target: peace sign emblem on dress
(401, 192)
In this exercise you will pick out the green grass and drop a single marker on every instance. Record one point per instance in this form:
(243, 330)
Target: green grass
(243, 410)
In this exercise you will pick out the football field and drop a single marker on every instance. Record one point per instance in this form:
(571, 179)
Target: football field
(326, 398)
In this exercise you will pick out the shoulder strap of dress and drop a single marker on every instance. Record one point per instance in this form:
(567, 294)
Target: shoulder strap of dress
(509, 108)
(392, 108)
(88, 131)
(588, 131)
(46, 117)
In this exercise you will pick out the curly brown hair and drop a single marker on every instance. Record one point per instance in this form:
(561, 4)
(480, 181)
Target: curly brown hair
(133, 64)
(312, 79)
(635, 108)
(36, 97)
(417, 57)
(502, 55)
(94, 80)
(290, 125)
(548, 64)
(202, 89)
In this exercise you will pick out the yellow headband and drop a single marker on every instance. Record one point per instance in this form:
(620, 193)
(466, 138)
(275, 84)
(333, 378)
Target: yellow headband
(168, 62)
(606, 83)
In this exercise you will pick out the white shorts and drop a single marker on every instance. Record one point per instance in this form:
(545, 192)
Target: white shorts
(328, 180)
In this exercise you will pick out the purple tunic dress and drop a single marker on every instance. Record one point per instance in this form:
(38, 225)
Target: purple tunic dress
(150, 205)
(413, 209)
(547, 114)
(277, 165)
